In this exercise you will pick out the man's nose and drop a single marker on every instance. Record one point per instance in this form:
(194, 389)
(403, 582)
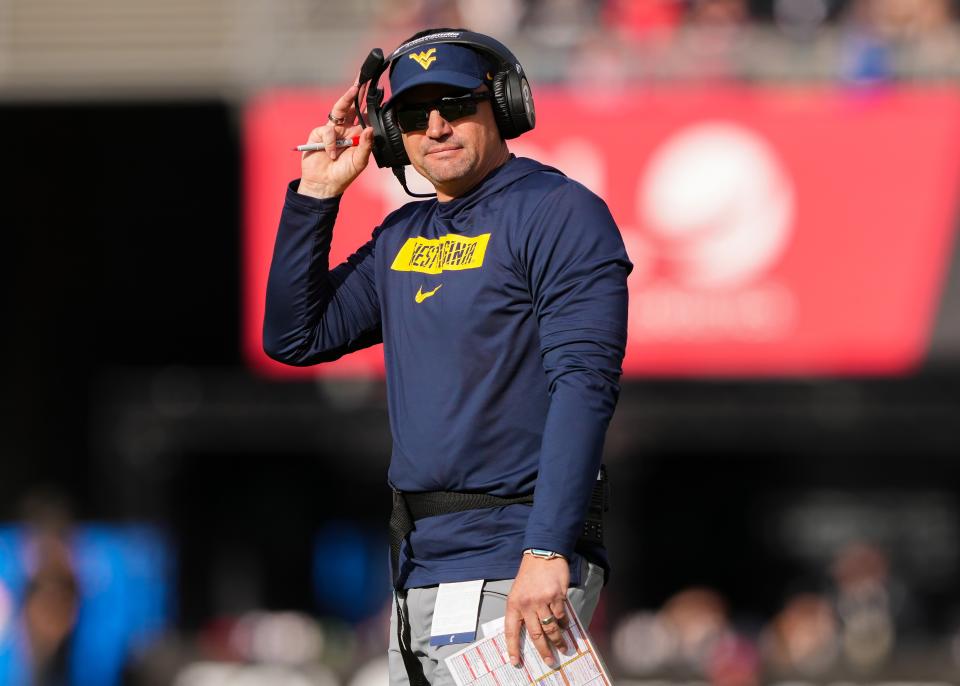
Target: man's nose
(437, 126)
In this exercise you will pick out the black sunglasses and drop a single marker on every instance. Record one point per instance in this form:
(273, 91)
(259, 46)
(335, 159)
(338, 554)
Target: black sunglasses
(415, 116)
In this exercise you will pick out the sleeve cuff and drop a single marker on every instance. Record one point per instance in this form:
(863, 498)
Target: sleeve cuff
(309, 203)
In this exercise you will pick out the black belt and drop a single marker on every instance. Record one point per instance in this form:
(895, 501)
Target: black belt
(409, 507)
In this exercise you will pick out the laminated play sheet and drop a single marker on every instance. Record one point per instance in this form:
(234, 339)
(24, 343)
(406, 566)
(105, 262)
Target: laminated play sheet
(486, 663)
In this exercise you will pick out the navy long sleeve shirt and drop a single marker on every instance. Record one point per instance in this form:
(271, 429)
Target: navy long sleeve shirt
(503, 315)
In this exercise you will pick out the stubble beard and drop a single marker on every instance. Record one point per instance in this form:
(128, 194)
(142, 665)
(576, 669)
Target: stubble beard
(440, 171)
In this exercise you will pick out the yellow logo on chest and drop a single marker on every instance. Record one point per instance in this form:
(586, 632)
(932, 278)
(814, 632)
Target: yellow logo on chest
(421, 295)
(437, 255)
(425, 58)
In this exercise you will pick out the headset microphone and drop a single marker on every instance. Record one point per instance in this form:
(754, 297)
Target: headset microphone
(371, 67)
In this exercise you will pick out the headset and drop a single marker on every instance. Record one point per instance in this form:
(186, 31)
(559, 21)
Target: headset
(512, 100)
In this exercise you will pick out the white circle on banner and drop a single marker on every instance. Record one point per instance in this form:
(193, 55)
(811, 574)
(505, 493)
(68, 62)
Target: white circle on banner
(718, 203)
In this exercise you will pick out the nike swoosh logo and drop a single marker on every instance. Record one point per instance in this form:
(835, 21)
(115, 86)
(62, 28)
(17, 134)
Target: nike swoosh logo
(421, 296)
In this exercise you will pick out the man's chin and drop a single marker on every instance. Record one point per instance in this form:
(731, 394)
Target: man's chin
(441, 172)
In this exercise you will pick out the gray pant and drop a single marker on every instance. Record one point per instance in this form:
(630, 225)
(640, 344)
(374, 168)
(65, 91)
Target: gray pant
(493, 604)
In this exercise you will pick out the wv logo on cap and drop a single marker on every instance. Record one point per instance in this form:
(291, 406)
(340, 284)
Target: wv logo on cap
(425, 58)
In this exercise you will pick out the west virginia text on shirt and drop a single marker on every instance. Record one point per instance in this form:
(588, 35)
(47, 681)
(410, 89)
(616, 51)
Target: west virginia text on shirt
(436, 255)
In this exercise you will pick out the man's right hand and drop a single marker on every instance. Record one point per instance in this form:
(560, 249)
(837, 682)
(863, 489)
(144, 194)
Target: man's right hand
(327, 173)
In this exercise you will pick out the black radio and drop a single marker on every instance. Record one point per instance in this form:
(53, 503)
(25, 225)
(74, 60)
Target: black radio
(599, 503)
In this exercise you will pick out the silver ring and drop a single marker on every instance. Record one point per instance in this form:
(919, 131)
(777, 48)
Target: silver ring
(547, 621)
(339, 121)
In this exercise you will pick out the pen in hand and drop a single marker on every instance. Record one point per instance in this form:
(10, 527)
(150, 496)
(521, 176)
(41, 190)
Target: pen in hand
(339, 143)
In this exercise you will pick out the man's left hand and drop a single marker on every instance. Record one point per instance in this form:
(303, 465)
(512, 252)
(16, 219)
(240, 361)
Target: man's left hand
(537, 594)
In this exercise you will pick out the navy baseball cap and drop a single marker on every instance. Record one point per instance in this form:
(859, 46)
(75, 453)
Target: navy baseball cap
(447, 64)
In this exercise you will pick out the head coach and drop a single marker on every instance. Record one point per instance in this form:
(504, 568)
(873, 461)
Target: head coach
(502, 308)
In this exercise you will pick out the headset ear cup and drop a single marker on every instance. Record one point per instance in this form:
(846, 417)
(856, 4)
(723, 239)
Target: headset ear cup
(393, 140)
(526, 113)
(501, 106)
(387, 140)
(513, 104)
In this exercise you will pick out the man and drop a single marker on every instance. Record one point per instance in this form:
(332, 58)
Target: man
(502, 308)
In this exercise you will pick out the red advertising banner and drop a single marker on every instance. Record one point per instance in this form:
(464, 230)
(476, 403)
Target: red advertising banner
(774, 231)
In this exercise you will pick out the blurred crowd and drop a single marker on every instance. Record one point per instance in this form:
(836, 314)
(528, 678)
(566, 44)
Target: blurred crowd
(855, 626)
(846, 629)
(610, 40)
(36, 632)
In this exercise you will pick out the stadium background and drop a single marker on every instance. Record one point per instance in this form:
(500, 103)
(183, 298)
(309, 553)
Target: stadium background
(786, 488)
